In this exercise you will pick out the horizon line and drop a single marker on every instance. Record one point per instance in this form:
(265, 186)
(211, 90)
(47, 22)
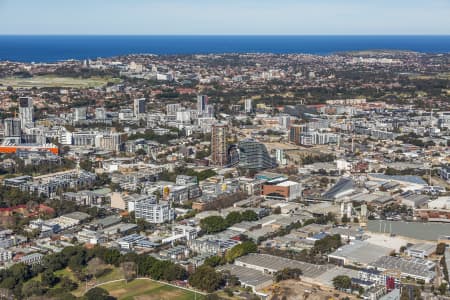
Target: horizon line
(226, 34)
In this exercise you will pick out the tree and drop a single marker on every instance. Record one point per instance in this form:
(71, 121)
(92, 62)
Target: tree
(214, 261)
(233, 218)
(145, 264)
(174, 272)
(95, 266)
(229, 279)
(240, 250)
(111, 256)
(249, 215)
(129, 270)
(77, 261)
(228, 291)
(342, 282)
(68, 284)
(444, 268)
(167, 270)
(20, 272)
(212, 297)
(86, 165)
(157, 269)
(443, 288)
(327, 244)
(98, 294)
(49, 279)
(33, 287)
(213, 224)
(206, 278)
(440, 249)
(8, 283)
(288, 273)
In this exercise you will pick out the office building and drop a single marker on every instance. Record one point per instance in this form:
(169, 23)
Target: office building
(209, 111)
(83, 138)
(183, 117)
(51, 185)
(109, 141)
(284, 121)
(139, 106)
(219, 144)
(295, 132)
(25, 111)
(79, 114)
(173, 108)
(12, 127)
(100, 113)
(202, 102)
(147, 208)
(318, 138)
(248, 105)
(254, 156)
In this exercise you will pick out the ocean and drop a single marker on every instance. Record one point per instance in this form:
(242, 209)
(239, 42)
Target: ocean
(25, 48)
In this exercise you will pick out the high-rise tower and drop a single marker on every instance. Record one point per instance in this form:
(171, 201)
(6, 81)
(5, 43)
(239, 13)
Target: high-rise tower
(12, 127)
(202, 102)
(25, 111)
(219, 144)
(139, 106)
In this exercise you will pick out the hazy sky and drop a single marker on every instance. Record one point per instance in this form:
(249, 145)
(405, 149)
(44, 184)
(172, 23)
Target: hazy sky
(224, 17)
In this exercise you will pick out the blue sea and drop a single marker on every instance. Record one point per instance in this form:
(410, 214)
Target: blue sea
(55, 48)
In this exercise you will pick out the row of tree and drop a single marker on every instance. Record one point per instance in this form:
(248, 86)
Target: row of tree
(22, 280)
(202, 175)
(214, 224)
(344, 283)
(151, 135)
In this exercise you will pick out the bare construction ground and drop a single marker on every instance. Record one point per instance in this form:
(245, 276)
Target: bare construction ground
(300, 290)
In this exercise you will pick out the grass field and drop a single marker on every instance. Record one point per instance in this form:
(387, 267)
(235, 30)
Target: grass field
(55, 81)
(115, 274)
(141, 289)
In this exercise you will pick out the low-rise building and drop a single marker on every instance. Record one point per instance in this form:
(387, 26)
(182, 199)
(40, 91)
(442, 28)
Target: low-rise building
(286, 190)
(147, 208)
(32, 259)
(421, 250)
(409, 268)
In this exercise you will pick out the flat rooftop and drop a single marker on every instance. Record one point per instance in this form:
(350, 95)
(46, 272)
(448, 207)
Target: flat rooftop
(361, 252)
(414, 267)
(287, 183)
(327, 277)
(276, 263)
(77, 215)
(248, 276)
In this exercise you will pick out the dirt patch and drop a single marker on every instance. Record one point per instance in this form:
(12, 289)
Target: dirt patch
(298, 290)
(160, 296)
(117, 293)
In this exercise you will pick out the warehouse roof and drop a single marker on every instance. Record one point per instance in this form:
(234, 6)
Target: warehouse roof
(401, 178)
(248, 276)
(343, 186)
(361, 252)
(275, 263)
(413, 267)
